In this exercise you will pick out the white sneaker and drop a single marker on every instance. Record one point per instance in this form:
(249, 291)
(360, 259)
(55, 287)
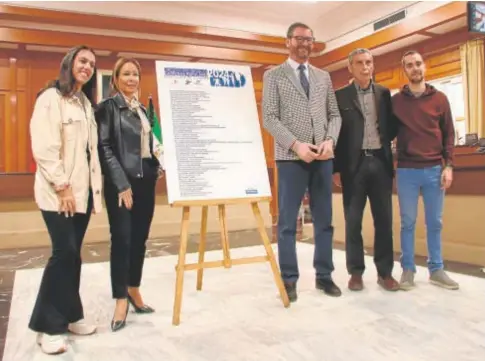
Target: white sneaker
(52, 344)
(81, 328)
(441, 279)
(407, 280)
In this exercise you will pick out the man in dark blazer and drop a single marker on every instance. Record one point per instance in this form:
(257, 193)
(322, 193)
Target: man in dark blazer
(363, 167)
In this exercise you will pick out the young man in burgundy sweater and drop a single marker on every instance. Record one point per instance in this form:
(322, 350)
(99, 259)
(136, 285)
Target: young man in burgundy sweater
(425, 143)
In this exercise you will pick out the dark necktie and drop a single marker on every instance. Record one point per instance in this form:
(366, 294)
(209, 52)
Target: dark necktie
(304, 80)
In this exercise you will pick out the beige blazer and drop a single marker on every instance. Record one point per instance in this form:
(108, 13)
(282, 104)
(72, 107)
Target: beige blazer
(60, 129)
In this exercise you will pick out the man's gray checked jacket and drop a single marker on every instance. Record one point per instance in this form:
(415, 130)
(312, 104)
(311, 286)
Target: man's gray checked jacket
(288, 114)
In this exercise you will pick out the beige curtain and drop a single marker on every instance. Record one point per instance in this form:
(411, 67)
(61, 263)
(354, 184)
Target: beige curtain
(473, 71)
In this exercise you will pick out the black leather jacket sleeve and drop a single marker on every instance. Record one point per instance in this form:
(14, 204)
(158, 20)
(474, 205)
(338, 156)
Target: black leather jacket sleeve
(109, 162)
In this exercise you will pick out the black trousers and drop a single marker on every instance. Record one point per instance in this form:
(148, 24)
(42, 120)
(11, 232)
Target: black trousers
(58, 301)
(130, 229)
(371, 180)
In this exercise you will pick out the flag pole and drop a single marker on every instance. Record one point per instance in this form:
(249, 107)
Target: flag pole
(158, 150)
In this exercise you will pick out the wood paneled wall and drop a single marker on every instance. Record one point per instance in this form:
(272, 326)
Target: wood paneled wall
(23, 74)
(13, 130)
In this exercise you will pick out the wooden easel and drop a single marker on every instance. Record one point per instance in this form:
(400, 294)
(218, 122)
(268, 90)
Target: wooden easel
(227, 262)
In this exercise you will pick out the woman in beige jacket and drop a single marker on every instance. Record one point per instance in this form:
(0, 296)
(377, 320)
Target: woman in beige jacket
(67, 190)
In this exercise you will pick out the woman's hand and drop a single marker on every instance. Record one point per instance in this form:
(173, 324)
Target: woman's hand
(161, 173)
(126, 198)
(67, 204)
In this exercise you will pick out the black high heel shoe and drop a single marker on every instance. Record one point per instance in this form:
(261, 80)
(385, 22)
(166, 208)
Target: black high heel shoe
(119, 324)
(142, 309)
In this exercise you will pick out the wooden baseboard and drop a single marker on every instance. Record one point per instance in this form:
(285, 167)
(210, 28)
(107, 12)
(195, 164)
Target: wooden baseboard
(462, 234)
(27, 229)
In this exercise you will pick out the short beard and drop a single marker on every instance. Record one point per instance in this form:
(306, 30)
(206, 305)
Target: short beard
(414, 81)
(303, 57)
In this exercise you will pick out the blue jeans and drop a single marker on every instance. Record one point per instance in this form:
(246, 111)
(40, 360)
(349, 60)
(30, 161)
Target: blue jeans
(410, 183)
(294, 178)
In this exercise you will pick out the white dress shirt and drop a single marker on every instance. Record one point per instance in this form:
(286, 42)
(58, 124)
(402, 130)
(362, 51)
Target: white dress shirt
(294, 65)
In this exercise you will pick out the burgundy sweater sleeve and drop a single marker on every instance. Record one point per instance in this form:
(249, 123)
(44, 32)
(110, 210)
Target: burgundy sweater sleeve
(448, 132)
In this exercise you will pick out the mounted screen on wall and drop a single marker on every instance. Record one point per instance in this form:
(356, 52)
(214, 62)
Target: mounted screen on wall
(476, 16)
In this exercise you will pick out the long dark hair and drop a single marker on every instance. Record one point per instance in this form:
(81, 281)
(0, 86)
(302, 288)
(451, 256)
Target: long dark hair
(65, 81)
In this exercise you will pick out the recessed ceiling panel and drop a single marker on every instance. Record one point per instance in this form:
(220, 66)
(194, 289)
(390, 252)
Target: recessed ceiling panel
(395, 45)
(449, 26)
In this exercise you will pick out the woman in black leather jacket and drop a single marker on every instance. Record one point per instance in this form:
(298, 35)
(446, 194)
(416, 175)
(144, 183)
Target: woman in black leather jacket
(130, 175)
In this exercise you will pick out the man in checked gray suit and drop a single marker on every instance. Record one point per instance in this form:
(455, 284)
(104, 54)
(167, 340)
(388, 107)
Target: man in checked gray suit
(301, 113)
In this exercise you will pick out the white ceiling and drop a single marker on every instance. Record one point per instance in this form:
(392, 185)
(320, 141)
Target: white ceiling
(406, 42)
(449, 26)
(329, 19)
(352, 15)
(398, 44)
(263, 17)
(337, 23)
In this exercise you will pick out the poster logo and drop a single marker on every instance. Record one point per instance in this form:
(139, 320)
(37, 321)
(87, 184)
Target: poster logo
(185, 73)
(251, 190)
(217, 78)
(226, 78)
(186, 76)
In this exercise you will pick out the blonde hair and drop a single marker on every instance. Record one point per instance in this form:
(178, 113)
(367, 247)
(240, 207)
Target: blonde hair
(115, 76)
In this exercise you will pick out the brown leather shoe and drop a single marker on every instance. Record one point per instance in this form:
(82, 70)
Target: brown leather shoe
(388, 283)
(356, 283)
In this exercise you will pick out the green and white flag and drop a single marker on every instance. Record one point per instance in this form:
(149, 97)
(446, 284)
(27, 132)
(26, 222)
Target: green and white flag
(157, 132)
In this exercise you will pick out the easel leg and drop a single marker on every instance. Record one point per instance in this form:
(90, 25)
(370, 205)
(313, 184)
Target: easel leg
(224, 236)
(179, 283)
(203, 233)
(269, 251)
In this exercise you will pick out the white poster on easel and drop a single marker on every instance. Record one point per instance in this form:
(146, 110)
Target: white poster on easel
(213, 146)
